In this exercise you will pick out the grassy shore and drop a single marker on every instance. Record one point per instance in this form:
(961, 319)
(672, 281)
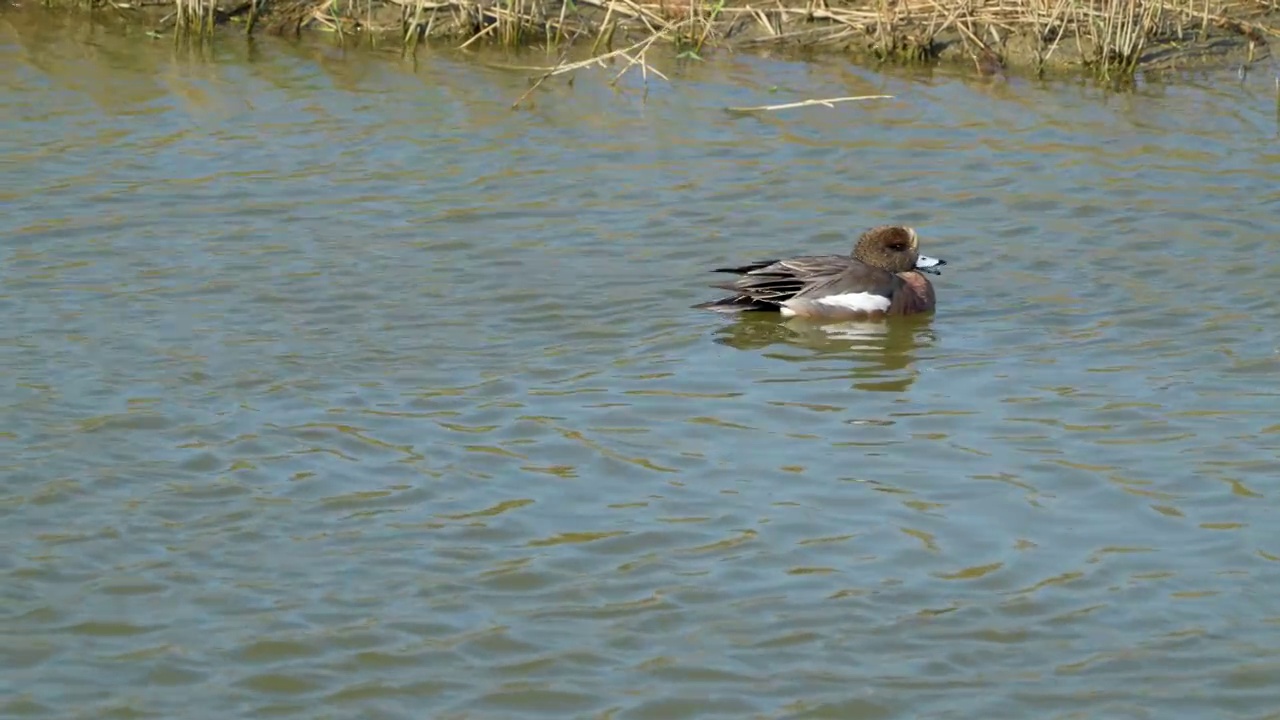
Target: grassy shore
(1108, 38)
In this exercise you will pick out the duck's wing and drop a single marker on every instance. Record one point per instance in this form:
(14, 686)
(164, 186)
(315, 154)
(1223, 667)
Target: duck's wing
(776, 281)
(857, 288)
(852, 277)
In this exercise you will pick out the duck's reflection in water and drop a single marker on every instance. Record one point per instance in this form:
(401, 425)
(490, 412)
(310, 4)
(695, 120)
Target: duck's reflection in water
(877, 356)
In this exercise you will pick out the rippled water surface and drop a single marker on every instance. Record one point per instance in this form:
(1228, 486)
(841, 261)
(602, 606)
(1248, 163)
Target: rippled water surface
(332, 387)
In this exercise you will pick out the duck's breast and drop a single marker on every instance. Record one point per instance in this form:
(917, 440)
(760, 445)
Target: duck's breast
(915, 296)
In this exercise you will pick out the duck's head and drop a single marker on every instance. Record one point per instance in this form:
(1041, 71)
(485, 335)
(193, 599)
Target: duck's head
(894, 248)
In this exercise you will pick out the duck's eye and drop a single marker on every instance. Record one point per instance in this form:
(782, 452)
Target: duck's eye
(898, 247)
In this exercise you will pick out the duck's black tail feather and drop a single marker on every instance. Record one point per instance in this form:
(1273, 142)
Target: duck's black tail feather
(744, 269)
(736, 304)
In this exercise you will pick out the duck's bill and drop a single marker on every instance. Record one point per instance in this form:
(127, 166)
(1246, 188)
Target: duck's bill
(930, 265)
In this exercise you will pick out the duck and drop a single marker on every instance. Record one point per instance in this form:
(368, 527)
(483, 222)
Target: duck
(882, 277)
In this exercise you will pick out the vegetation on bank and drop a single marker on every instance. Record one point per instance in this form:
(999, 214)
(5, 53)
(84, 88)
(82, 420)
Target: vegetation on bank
(1111, 38)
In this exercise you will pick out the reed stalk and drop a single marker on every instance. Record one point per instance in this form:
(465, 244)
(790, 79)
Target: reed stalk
(823, 102)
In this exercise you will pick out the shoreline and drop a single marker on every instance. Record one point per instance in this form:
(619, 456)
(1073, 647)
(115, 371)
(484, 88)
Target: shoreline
(1110, 40)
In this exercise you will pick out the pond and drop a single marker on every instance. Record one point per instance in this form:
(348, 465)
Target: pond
(334, 387)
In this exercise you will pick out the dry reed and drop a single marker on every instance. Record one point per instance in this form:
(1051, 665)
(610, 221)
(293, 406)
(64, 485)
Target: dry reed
(1108, 36)
(195, 17)
(1112, 37)
(634, 55)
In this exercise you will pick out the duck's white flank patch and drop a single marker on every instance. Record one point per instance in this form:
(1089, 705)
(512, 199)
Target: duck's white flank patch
(858, 302)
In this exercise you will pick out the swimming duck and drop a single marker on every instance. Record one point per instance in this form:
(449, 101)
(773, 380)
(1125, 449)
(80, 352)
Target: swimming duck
(882, 277)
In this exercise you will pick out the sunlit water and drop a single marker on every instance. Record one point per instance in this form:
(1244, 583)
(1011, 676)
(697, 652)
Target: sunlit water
(333, 387)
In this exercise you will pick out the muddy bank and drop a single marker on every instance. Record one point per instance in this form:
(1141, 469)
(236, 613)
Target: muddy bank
(1107, 38)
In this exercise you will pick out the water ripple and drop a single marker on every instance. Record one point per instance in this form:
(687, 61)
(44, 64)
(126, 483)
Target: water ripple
(335, 381)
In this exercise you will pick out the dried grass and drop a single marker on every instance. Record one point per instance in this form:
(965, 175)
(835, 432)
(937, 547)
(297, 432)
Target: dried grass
(195, 16)
(1108, 36)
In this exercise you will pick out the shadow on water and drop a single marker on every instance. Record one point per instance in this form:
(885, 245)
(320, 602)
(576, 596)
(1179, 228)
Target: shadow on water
(875, 356)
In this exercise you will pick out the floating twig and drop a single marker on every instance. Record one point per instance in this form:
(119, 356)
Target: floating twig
(825, 102)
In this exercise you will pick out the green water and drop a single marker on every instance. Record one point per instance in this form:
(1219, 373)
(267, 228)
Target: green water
(330, 387)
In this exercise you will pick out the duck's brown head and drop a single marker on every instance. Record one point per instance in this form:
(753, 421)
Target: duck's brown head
(894, 248)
